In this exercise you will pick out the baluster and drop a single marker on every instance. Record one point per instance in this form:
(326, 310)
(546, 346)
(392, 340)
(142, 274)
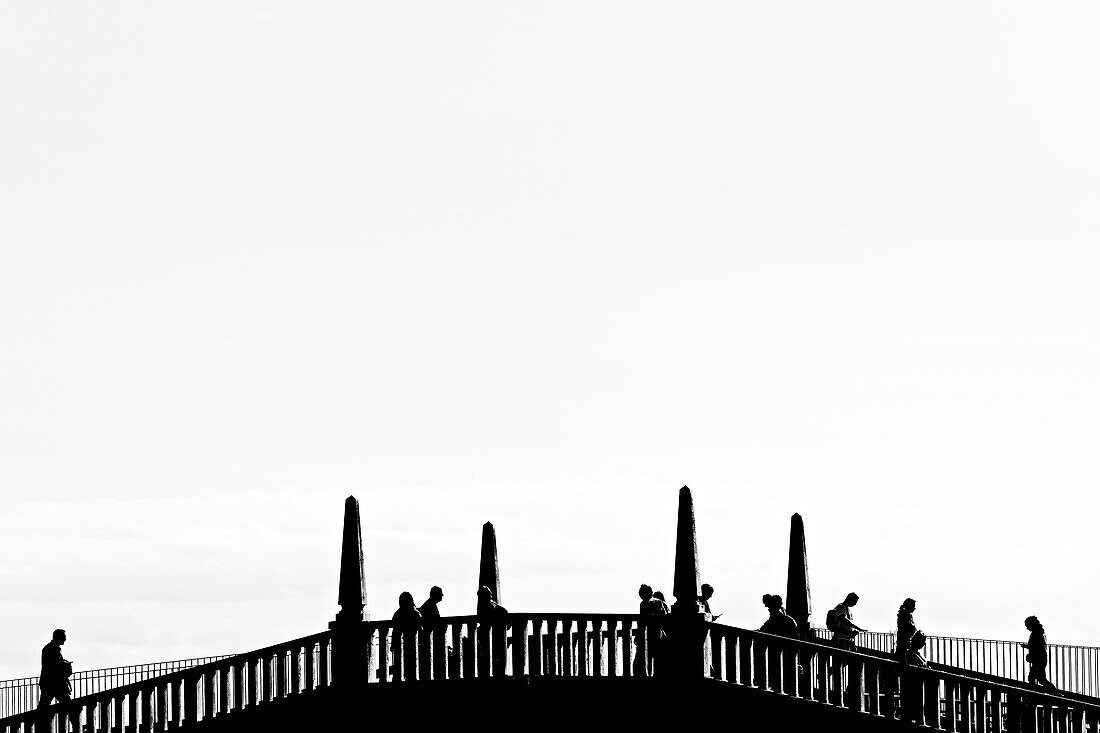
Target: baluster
(398, 665)
(470, 655)
(163, 695)
(949, 687)
(281, 674)
(439, 652)
(101, 720)
(837, 672)
(146, 712)
(536, 662)
(627, 631)
(456, 651)
(641, 648)
(484, 651)
(597, 648)
(717, 640)
(857, 683)
(207, 695)
(582, 648)
(74, 719)
(996, 711)
(251, 666)
(424, 654)
(223, 706)
(874, 691)
(409, 644)
(612, 648)
(566, 647)
(191, 698)
(311, 666)
(932, 701)
(383, 655)
(966, 697)
(322, 658)
(730, 646)
(981, 709)
(296, 670)
(744, 644)
(1077, 719)
(519, 648)
(131, 723)
(552, 646)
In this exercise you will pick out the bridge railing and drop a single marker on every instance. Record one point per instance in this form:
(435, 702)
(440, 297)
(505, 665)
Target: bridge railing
(882, 687)
(573, 645)
(464, 647)
(22, 694)
(1071, 668)
(190, 695)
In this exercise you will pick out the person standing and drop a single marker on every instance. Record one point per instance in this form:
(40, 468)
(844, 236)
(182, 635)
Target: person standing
(1037, 655)
(56, 671)
(910, 638)
(651, 630)
(429, 612)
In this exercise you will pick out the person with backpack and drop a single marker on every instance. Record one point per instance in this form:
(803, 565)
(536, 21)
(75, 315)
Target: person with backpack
(1037, 656)
(839, 621)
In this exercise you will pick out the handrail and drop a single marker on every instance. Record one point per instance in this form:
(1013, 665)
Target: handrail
(1073, 669)
(191, 695)
(22, 693)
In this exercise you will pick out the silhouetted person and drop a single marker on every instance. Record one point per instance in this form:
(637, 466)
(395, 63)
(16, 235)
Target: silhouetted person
(488, 610)
(910, 639)
(406, 617)
(1036, 655)
(706, 592)
(429, 612)
(652, 630)
(778, 623)
(845, 631)
(56, 670)
(659, 596)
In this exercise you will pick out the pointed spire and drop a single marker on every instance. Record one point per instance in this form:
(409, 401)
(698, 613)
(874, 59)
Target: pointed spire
(490, 569)
(798, 576)
(353, 589)
(685, 582)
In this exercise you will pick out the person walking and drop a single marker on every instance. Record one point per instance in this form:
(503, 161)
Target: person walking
(53, 683)
(1037, 656)
(910, 639)
(844, 628)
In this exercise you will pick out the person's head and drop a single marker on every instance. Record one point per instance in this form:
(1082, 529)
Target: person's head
(909, 605)
(405, 600)
(851, 599)
(59, 636)
(484, 593)
(772, 602)
(705, 591)
(645, 592)
(1032, 624)
(436, 594)
(659, 595)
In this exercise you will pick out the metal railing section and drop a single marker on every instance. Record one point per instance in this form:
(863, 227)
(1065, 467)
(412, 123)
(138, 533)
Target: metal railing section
(191, 695)
(22, 694)
(1071, 668)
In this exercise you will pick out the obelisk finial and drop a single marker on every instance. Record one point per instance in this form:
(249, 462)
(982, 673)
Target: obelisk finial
(798, 576)
(685, 582)
(353, 588)
(489, 576)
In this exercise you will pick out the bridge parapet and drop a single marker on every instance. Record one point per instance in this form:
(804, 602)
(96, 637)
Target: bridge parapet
(592, 646)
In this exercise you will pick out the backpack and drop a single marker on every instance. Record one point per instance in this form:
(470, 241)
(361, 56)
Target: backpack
(830, 620)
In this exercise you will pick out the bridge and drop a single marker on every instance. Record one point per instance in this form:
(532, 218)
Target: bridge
(584, 670)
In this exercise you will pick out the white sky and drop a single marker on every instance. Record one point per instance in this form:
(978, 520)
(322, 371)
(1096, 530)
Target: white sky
(542, 264)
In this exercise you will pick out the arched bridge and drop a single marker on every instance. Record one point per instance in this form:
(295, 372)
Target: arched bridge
(544, 671)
